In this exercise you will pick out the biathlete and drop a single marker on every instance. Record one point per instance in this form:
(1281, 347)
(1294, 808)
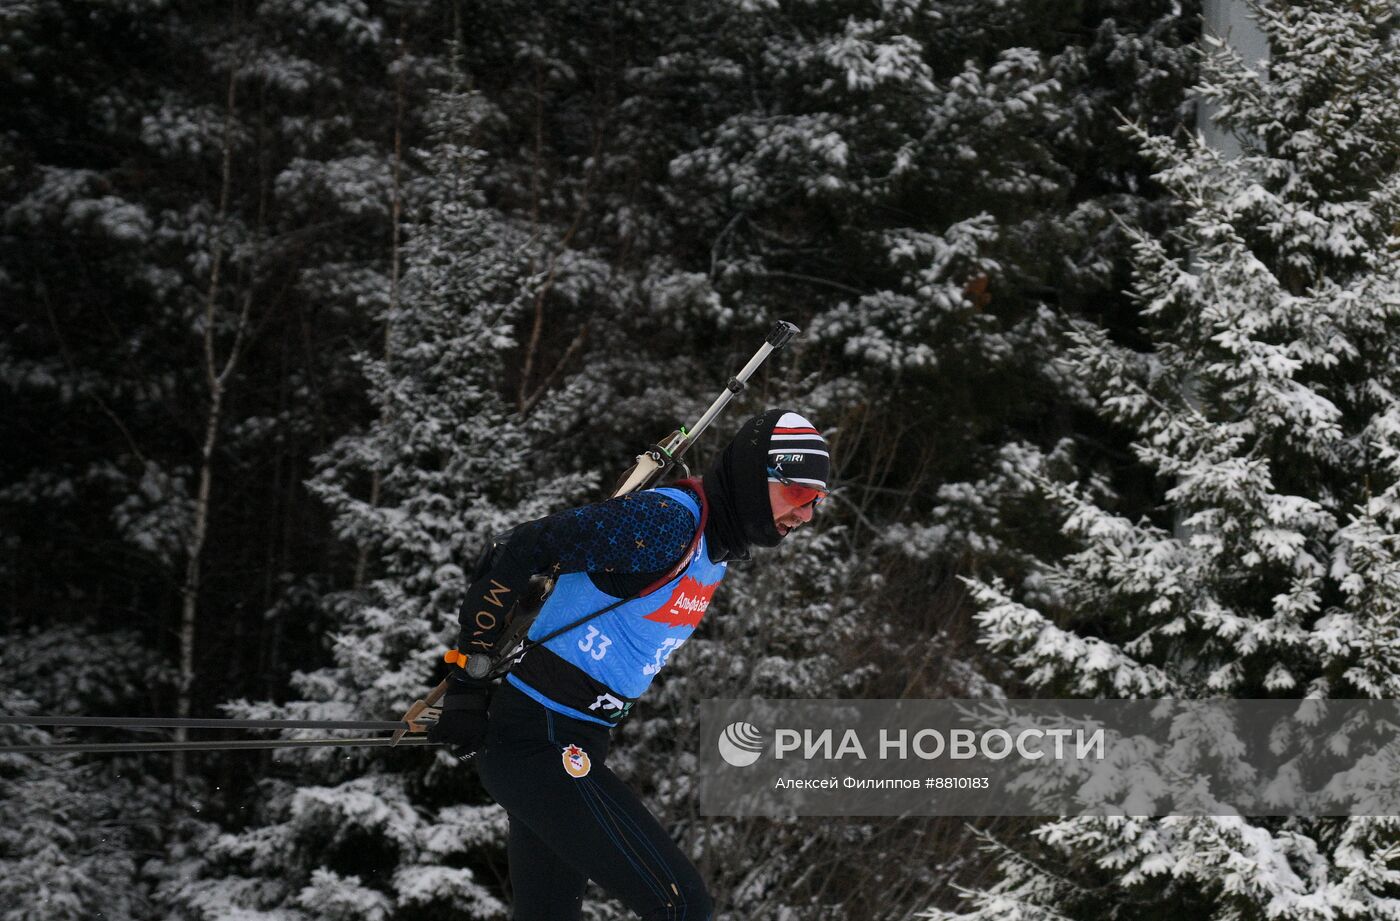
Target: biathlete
(542, 741)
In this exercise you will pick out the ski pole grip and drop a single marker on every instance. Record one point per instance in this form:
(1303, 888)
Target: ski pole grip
(781, 334)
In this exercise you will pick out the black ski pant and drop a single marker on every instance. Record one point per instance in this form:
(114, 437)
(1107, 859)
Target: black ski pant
(572, 820)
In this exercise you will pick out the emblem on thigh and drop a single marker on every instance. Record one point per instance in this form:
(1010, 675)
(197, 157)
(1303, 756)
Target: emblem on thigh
(576, 761)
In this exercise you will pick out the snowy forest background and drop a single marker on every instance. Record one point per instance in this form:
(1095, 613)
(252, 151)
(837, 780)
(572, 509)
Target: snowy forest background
(303, 299)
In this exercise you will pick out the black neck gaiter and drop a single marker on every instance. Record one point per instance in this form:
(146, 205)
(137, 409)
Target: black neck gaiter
(737, 487)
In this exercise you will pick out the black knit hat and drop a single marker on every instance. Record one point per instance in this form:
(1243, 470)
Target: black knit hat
(798, 453)
(737, 482)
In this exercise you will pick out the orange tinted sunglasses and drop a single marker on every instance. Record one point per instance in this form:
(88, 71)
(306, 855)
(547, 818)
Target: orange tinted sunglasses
(797, 494)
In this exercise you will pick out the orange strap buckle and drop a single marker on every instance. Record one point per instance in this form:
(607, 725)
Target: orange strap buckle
(453, 657)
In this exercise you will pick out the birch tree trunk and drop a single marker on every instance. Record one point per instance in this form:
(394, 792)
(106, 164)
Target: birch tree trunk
(216, 377)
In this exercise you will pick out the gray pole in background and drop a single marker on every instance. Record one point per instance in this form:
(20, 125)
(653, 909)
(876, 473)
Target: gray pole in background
(1230, 20)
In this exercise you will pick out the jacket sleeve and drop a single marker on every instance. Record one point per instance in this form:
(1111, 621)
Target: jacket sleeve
(636, 533)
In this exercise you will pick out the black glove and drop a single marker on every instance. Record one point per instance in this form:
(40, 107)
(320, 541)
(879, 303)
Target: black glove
(463, 721)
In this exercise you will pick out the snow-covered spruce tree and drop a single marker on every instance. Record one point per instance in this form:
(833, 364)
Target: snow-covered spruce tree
(371, 836)
(1267, 406)
(63, 854)
(73, 828)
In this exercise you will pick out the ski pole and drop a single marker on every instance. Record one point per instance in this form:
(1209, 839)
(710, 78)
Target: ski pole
(208, 746)
(158, 722)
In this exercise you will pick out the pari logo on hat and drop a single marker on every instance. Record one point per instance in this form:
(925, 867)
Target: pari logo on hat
(797, 453)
